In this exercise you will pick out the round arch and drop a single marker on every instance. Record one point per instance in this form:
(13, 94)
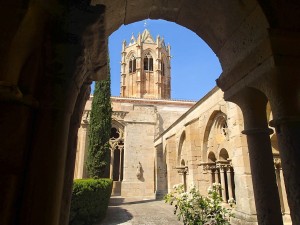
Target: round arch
(211, 157)
(180, 147)
(223, 155)
(216, 115)
(216, 31)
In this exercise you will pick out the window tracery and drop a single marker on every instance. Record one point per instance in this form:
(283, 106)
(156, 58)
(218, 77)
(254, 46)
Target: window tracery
(148, 62)
(132, 64)
(116, 143)
(162, 68)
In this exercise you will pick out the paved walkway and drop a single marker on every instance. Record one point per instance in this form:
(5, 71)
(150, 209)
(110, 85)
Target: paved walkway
(139, 212)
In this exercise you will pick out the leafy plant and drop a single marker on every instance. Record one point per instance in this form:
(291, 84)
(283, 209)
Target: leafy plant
(89, 202)
(195, 209)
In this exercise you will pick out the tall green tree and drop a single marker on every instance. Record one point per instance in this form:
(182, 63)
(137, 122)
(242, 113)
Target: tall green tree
(99, 130)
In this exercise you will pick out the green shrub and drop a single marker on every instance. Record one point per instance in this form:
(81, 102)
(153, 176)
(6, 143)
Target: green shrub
(90, 199)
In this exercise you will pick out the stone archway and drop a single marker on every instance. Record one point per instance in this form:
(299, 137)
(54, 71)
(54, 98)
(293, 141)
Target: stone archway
(42, 98)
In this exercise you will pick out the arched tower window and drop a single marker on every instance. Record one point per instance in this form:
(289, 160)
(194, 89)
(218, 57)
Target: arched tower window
(132, 65)
(148, 62)
(163, 68)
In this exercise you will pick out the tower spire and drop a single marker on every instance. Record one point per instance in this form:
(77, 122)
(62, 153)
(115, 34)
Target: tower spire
(145, 67)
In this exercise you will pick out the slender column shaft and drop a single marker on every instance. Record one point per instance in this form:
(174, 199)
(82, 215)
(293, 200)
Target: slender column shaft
(210, 172)
(213, 177)
(278, 178)
(223, 185)
(111, 171)
(120, 165)
(229, 180)
(288, 133)
(284, 197)
(184, 181)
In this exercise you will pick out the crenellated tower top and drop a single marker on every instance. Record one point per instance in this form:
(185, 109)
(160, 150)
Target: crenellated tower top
(146, 67)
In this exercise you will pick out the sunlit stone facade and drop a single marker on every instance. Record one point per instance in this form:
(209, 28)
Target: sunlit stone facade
(157, 142)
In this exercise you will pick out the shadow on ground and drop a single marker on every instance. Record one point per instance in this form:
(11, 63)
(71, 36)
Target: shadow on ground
(121, 201)
(116, 215)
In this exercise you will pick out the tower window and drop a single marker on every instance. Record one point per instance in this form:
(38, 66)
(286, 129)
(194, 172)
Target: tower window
(162, 68)
(132, 65)
(148, 62)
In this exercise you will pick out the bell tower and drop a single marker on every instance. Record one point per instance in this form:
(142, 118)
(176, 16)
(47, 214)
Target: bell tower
(146, 67)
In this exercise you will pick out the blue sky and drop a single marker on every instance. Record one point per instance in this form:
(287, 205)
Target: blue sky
(194, 66)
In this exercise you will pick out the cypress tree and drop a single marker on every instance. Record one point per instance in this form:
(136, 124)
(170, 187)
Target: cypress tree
(99, 130)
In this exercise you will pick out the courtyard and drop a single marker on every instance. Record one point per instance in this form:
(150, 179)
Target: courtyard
(138, 211)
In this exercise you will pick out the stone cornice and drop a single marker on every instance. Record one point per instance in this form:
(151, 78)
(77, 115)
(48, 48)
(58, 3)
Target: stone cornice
(119, 114)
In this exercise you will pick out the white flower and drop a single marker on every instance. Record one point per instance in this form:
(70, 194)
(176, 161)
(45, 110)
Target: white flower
(231, 201)
(209, 189)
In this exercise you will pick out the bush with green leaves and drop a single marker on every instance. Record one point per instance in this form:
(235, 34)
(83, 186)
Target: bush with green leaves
(89, 202)
(195, 209)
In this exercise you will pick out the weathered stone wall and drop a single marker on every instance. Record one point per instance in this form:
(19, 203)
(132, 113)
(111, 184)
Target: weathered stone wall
(143, 119)
(201, 137)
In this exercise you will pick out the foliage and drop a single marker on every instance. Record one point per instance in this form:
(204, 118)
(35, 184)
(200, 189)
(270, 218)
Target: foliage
(90, 199)
(99, 130)
(195, 209)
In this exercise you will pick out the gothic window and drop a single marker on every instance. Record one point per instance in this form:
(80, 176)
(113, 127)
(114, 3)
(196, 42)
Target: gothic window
(132, 65)
(148, 62)
(162, 68)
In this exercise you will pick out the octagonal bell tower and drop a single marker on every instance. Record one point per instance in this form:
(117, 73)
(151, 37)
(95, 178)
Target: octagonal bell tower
(146, 68)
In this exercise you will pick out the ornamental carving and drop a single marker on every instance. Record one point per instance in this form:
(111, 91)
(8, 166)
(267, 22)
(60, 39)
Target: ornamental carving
(117, 141)
(119, 115)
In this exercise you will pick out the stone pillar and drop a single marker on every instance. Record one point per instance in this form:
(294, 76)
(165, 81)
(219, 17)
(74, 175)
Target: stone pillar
(288, 133)
(284, 197)
(278, 181)
(229, 181)
(71, 154)
(211, 176)
(253, 105)
(120, 165)
(282, 84)
(223, 185)
(111, 169)
(81, 153)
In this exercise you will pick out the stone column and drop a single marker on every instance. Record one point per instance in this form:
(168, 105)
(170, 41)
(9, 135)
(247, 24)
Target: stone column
(120, 165)
(282, 84)
(71, 152)
(253, 105)
(223, 185)
(229, 181)
(211, 176)
(288, 133)
(81, 154)
(111, 170)
(278, 181)
(284, 197)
